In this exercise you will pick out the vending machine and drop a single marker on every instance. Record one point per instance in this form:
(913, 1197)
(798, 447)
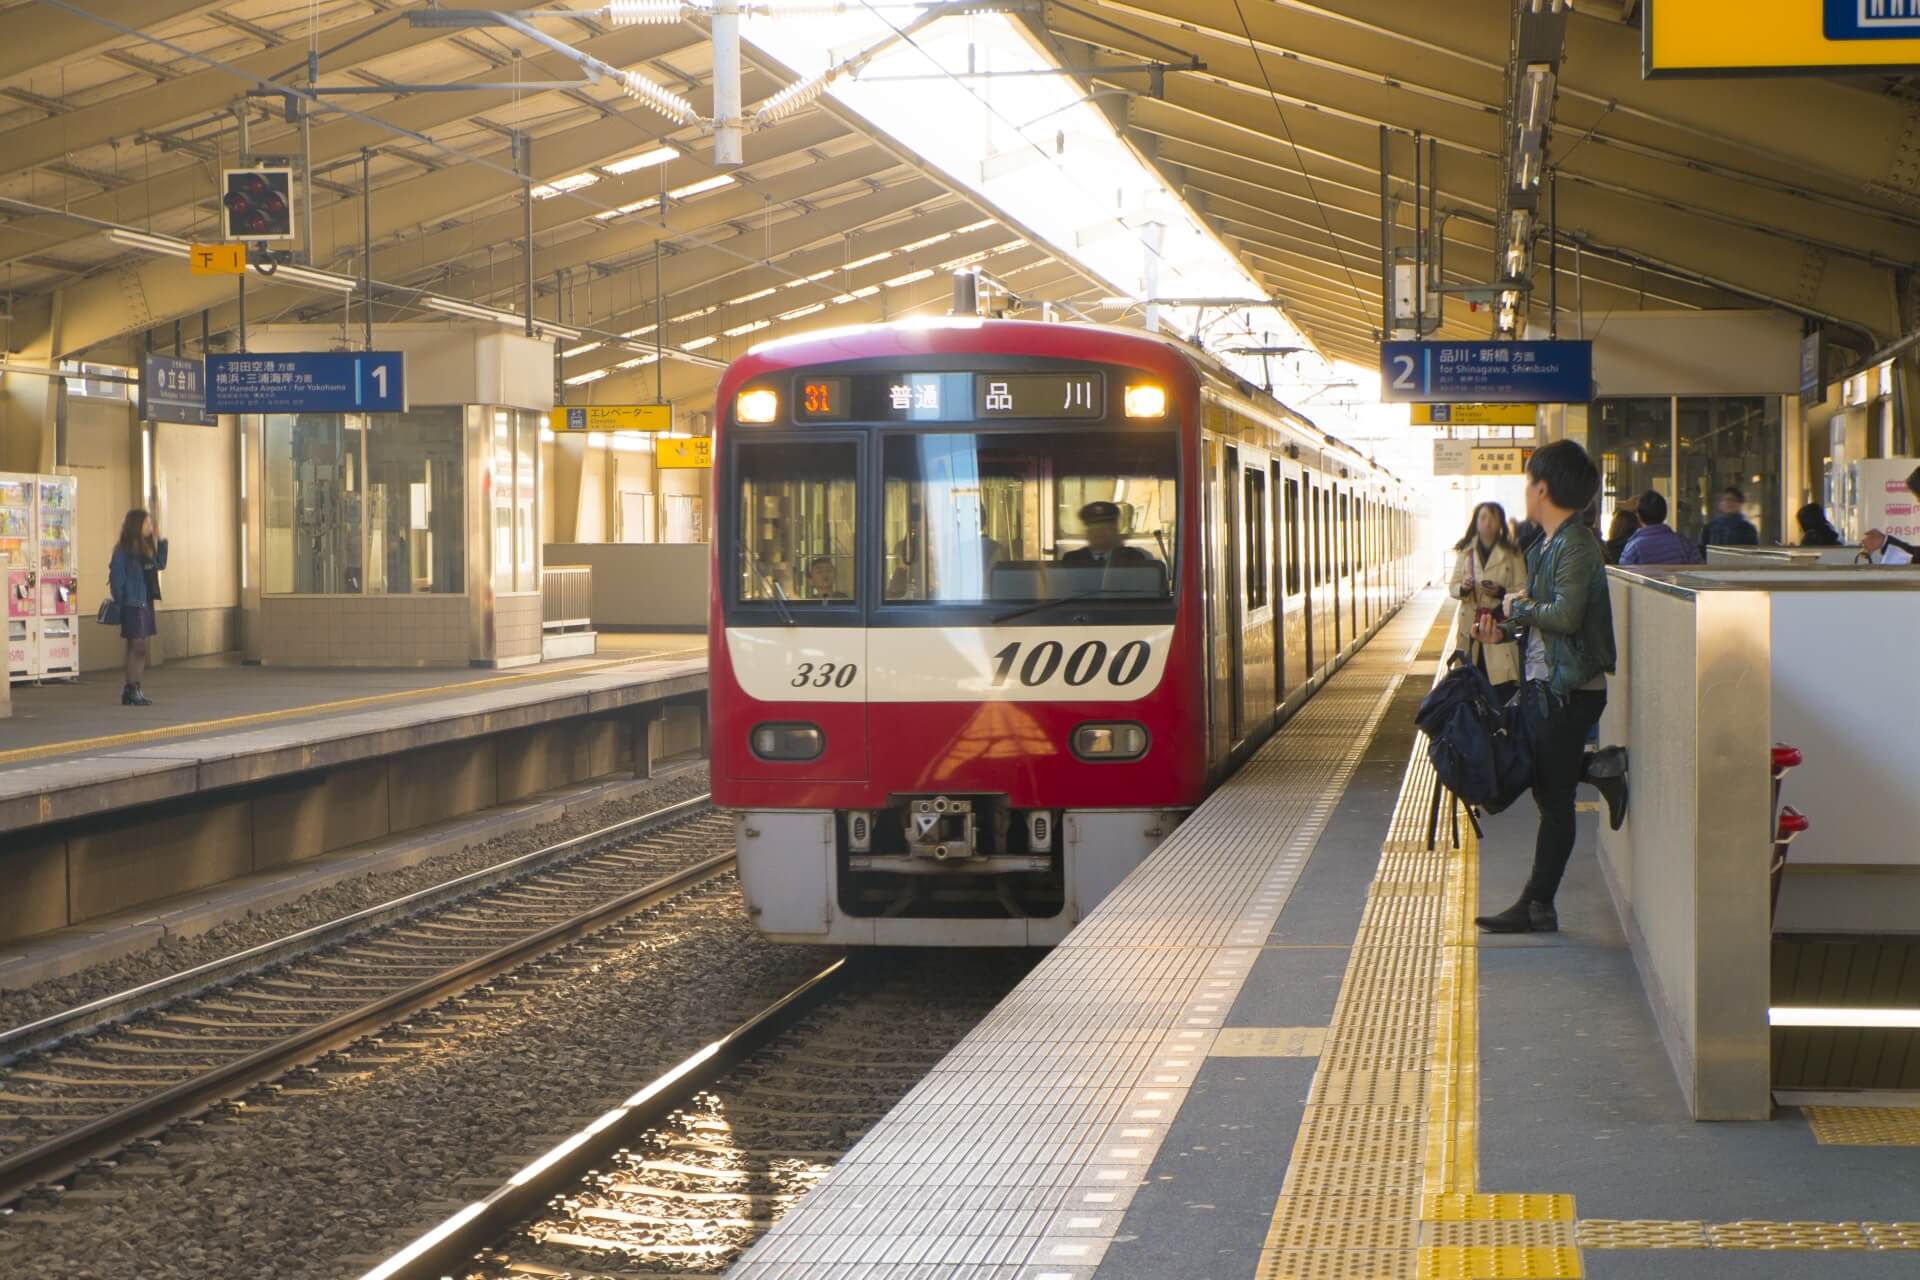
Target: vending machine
(40, 560)
(1877, 497)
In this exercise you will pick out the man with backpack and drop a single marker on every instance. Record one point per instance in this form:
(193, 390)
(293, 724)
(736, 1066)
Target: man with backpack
(1568, 620)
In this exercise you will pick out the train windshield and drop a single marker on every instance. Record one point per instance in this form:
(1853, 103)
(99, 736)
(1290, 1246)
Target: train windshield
(1028, 517)
(797, 521)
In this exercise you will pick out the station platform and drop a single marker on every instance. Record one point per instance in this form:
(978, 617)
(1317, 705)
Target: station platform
(241, 770)
(1280, 1049)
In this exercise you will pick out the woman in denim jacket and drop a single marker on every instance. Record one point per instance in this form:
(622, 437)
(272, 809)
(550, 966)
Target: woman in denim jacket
(133, 578)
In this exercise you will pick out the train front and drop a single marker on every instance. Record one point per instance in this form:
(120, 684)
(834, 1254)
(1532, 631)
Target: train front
(955, 690)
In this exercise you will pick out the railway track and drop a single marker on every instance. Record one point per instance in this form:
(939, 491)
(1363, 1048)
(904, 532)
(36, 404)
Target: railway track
(691, 1170)
(78, 1087)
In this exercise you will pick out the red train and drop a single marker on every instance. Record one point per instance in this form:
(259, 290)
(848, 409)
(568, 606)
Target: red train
(997, 602)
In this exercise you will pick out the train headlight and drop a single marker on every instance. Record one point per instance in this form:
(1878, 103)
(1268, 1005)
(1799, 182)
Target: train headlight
(787, 741)
(1146, 400)
(757, 404)
(1118, 741)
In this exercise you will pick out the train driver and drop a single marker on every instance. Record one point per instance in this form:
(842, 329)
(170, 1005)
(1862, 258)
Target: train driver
(822, 583)
(1101, 520)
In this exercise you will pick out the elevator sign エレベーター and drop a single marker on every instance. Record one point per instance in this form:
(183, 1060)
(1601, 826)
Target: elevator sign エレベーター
(611, 417)
(1778, 37)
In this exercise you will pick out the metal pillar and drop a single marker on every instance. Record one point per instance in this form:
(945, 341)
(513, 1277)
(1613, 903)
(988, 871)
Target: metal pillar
(727, 130)
(523, 157)
(366, 239)
(1386, 245)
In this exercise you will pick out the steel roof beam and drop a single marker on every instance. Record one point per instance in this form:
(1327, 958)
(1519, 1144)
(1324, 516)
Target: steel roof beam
(53, 38)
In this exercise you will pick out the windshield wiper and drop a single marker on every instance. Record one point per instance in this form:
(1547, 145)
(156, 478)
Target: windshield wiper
(773, 589)
(1075, 598)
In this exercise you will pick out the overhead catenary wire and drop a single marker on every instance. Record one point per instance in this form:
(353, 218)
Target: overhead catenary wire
(1313, 190)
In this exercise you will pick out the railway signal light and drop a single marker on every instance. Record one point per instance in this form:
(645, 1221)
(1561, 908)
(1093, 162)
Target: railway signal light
(257, 204)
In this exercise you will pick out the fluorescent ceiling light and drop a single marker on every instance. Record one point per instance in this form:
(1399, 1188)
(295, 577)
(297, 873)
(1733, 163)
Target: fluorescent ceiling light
(1819, 1016)
(580, 379)
(641, 160)
(802, 312)
(704, 185)
(572, 182)
(571, 352)
(867, 261)
(557, 330)
(697, 343)
(149, 242)
(739, 329)
(316, 279)
(472, 310)
(634, 207)
(751, 297)
(912, 277)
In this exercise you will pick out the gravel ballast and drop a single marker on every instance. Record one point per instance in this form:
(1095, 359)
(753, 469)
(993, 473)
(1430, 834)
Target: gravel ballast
(339, 1170)
(172, 954)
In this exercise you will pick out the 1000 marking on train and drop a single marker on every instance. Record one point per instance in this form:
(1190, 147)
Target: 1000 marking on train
(949, 664)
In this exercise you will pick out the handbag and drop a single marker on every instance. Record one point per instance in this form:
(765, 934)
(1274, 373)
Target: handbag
(109, 614)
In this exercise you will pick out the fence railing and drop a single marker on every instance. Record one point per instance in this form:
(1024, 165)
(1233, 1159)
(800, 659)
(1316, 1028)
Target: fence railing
(566, 592)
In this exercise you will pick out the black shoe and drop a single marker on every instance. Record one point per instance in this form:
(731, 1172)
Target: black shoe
(137, 697)
(126, 695)
(1615, 791)
(1523, 916)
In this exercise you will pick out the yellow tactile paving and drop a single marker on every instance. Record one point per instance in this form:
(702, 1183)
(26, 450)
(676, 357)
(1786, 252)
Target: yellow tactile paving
(1865, 1126)
(1788, 1235)
(1497, 1263)
(1609, 1233)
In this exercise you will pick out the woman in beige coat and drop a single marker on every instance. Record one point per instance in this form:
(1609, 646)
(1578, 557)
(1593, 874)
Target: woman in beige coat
(1488, 567)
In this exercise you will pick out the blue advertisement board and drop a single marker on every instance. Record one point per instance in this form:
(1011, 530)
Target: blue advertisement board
(1518, 372)
(307, 382)
(173, 389)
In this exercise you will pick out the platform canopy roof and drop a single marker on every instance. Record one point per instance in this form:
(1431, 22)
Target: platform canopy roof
(1262, 116)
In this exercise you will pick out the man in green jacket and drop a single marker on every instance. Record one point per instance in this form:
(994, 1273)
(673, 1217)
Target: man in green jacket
(1568, 618)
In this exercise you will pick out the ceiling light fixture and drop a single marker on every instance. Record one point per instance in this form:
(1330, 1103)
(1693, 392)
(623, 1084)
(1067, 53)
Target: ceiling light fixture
(150, 243)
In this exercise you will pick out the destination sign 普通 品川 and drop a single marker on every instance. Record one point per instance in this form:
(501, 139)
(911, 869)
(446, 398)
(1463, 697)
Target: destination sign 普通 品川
(307, 382)
(949, 397)
(1481, 372)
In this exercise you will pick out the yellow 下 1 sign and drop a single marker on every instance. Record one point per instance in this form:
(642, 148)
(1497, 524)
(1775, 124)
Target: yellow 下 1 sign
(217, 260)
(685, 455)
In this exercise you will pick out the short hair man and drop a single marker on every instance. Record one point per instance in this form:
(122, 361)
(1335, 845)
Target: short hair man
(1874, 540)
(1730, 528)
(1568, 618)
(1101, 520)
(822, 583)
(1653, 542)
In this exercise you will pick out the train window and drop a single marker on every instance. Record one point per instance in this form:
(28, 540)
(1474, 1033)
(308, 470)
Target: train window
(1028, 517)
(1293, 537)
(797, 526)
(1254, 510)
(1346, 535)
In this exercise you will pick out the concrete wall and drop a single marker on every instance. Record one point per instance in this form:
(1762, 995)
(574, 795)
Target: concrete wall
(639, 585)
(86, 869)
(368, 631)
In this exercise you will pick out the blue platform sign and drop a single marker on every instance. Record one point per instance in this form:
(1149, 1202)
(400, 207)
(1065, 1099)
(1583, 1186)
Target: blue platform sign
(307, 382)
(1517, 372)
(173, 389)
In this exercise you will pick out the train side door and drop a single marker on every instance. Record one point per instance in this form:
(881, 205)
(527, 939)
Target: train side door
(1232, 586)
(1259, 629)
(1290, 613)
(1215, 604)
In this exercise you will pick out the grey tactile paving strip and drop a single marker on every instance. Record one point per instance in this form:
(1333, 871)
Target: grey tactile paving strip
(1016, 1157)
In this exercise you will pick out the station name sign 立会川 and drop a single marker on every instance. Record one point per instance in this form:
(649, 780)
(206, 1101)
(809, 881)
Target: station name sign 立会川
(1482, 372)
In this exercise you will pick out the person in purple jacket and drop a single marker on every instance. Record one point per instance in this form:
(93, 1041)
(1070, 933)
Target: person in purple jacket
(1654, 542)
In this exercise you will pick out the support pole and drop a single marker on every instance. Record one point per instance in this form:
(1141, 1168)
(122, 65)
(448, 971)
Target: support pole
(727, 144)
(1436, 250)
(1386, 246)
(366, 240)
(659, 331)
(305, 108)
(523, 148)
(1553, 254)
(1419, 240)
(241, 281)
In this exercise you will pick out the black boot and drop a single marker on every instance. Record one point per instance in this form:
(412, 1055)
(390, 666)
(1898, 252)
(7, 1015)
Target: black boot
(1524, 916)
(139, 697)
(1606, 769)
(126, 695)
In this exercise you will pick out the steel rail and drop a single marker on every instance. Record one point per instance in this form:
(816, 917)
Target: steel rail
(36, 1165)
(441, 1250)
(47, 1032)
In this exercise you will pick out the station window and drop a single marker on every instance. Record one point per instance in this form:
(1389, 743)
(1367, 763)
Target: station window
(1255, 511)
(797, 513)
(416, 501)
(312, 520)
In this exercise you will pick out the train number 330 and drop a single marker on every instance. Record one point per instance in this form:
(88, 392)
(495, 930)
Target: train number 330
(824, 675)
(1087, 663)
